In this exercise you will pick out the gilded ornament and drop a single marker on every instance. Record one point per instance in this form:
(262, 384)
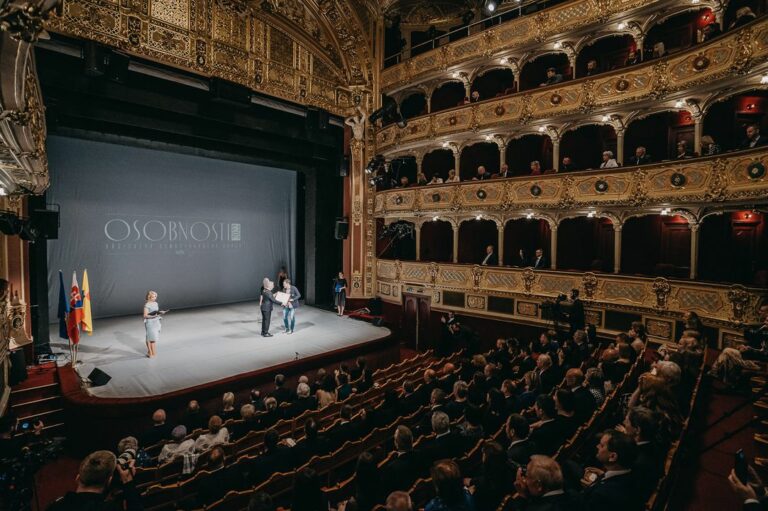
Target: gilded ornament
(477, 275)
(589, 282)
(601, 186)
(739, 299)
(755, 170)
(701, 62)
(555, 99)
(528, 278)
(481, 194)
(535, 190)
(499, 110)
(622, 84)
(677, 180)
(662, 289)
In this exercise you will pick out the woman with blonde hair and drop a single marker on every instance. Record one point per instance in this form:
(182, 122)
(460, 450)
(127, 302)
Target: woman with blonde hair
(152, 314)
(453, 177)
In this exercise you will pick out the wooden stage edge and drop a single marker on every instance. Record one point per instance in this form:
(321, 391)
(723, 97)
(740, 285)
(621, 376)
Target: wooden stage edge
(99, 423)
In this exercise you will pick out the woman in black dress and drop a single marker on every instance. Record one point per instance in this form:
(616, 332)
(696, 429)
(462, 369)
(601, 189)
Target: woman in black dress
(340, 293)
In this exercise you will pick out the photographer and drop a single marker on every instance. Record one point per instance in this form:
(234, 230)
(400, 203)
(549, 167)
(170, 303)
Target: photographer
(23, 449)
(93, 482)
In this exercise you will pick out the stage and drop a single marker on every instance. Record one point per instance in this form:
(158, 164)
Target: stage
(206, 345)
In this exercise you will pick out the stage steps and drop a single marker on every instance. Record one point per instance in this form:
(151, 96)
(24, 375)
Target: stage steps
(39, 398)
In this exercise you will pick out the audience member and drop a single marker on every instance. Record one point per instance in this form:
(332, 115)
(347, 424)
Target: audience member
(368, 490)
(453, 177)
(592, 68)
(743, 16)
(326, 394)
(399, 501)
(614, 486)
(490, 259)
(540, 486)
(583, 401)
(447, 443)
(521, 447)
(539, 261)
(710, 31)
(436, 179)
(94, 479)
(683, 153)
(640, 157)
(754, 138)
(217, 434)
(567, 165)
(547, 433)
(261, 501)
(270, 415)
(482, 174)
(275, 457)
(642, 425)
(221, 479)
(404, 182)
(307, 492)
(632, 58)
(406, 465)
(596, 384)
(535, 168)
(609, 162)
(177, 446)
(503, 172)
(160, 430)
(489, 488)
(451, 494)
(471, 430)
(193, 418)
(281, 393)
(553, 77)
(421, 179)
(474, 97)
(228, 407)
(659, 50)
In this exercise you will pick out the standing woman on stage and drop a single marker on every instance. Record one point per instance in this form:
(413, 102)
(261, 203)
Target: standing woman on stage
(340, 293)
(289, 309)
(265, 304)
(152, 325)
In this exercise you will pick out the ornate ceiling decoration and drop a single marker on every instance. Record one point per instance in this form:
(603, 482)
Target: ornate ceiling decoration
(418, 12)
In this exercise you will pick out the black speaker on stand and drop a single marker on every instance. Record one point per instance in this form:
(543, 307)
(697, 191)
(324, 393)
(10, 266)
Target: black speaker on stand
(341, 229)
(98, 377)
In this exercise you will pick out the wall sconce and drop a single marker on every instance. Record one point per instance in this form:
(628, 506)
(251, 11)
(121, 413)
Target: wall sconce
(591, 214)
(435, 218)
(606, 118)
(621, 26)
(542, 129)
(665, 211)
(679, 103)
(529, 216)
(479, 217)
(558, 45)
(764, 79)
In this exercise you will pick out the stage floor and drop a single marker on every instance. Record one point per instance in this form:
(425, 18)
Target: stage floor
(204, 345)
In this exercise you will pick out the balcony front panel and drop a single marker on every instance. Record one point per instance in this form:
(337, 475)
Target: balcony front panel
(706, 64)
(719, 304)
(735, 177)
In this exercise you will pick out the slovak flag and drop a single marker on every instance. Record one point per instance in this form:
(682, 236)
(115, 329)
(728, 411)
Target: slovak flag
(75, 311)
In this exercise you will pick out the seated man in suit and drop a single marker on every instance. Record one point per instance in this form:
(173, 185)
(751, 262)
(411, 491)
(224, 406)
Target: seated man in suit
(583, 400)
(281, 393)
(436, 404)
(548, 433)
(404, 468)
(539, 261)
(566, 411)
(540, 487)
(503, 172)
(614, 486)
(346, 430)
(521, 448)
(640, 157)
(490, 259)
(275, 458)
(546, 374)
(553, 77)
(447, 443)
(313, 443)
(221, 479)
(642, 425)
(754, 138)
(250, 423)
(160, 430)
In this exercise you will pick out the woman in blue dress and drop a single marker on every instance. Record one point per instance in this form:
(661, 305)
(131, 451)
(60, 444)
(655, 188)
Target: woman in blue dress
(152, 325)
(340, 294)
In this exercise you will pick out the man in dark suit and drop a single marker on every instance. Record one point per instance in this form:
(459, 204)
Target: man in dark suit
(490, 259)
(614, 487)
(428, 384)
(539, 261)
(754, 138)
(313, 443)
(436, 404)
(221, 479)
(346, 430)
(503, 172)
(281, 393)
(547, 434)
(540, 487)
(275, 458)
(576, 312)
(160, 430)
(482, 174)
(640, 157)
(404, 468)
(447, 443)
(567, 165)
(410, 399)
(266, 302)
(521, 448)
(642, 425)
(584, 401)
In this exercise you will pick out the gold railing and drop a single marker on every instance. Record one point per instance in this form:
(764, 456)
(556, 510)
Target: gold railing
(739, 177)
(472, 286)
(729, 56)
(511, 35)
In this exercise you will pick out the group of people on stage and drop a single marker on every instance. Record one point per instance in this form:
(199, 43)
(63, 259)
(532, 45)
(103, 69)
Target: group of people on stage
(267, 300)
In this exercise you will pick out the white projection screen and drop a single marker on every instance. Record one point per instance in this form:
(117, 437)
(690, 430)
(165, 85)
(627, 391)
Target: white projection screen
(198, 231)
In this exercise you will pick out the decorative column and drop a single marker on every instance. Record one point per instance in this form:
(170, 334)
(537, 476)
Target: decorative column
(428, 98)
(555, 153)
(357, 245)
(617, 247)
(698, 128)
(419, 159)
(500, 242)
(456, 158)
(455, 242)
(619, 144)
(553, 246)
(502, 152)
(694, 249)
(417, 228)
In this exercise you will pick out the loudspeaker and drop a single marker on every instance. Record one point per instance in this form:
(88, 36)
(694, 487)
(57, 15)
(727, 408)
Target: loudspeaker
(10, 224)
(344, 167)
(317, 119)
(341, 229)
(46, 223)
(98, 377)
(228, 92)
(117, 67)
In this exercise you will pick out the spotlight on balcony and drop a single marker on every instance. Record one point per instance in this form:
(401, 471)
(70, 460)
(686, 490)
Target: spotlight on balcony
(764, 79)
(679, 103)
(591, 214)
(622, 26)
(542, 129)
(529, 216)
(490, 5)
(558, 45)
(446, 144)
(435, 218)
(479, 217)
(606, 118)
(665, 212)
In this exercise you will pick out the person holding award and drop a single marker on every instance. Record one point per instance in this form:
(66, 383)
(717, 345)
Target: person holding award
(152, 316)
(265, 304)
(289, 297)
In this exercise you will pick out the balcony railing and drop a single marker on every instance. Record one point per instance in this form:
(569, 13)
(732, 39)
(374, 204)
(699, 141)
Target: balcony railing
(470, 287)
(724, 58)
(516, 33)
(738, 177)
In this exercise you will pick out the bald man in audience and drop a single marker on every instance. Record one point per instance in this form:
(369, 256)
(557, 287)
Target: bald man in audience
(160, 430)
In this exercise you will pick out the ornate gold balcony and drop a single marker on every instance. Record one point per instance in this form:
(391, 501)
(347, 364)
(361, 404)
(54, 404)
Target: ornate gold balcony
(740, 177)
(468, 288)
(707, 65)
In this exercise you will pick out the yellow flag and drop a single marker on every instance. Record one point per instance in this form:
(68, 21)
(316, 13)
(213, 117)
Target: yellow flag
(87, 321)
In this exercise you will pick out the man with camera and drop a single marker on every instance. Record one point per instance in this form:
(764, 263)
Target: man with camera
(94, 480)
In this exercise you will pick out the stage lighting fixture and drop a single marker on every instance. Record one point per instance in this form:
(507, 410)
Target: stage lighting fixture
(490, 5)
(764, 79)
(529, 216)
(679, 103)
